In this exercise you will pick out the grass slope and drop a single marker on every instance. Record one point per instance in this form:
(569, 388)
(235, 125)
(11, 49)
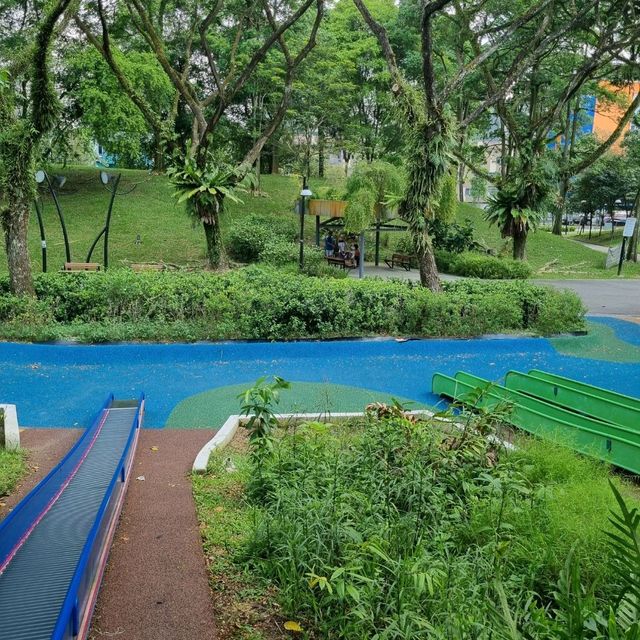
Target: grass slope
(148, 226)
(554, 257)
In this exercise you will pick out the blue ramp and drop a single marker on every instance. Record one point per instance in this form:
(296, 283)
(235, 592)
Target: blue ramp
(54, 544)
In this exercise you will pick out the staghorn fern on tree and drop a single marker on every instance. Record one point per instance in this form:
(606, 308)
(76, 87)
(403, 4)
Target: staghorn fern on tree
(203, 185)
(522, 199)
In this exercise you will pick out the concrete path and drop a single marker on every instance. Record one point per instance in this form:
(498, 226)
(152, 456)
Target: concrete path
(596, 247)
(604, 297)
(614, 297)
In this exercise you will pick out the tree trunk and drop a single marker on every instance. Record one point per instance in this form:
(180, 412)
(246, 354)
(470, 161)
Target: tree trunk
(427, 264)
(320, 152)
(558, 214)
(461, 173)
(519, 244)
(275, 164)
(258, 167)
(16, 227)
(215, 249)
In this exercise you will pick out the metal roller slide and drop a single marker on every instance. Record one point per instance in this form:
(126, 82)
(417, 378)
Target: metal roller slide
(610, 442)
(592, 401)
(54, 544)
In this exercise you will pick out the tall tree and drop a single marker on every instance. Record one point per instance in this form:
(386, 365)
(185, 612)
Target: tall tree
(22, 127)
(226, 42)
(533, 88)
(429, 122)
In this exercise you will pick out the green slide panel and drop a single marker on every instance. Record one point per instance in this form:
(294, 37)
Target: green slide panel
(583, 387)
(611, 443)
(574, 400)
(554, 412)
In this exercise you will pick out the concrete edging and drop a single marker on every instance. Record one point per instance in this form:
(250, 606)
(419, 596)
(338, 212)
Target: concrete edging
(10, 439)
(224, 436)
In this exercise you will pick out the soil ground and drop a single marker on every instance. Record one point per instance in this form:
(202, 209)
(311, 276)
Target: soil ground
(155, 586)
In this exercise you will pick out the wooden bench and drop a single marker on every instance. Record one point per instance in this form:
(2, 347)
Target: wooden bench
(400, 260)
(343, 263)
(81, 266)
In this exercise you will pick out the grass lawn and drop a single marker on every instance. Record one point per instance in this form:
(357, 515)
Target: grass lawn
(12, 468)
(148, 226)
(553, 257)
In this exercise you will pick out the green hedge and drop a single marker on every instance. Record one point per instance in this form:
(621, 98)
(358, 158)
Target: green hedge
(478, 265)
(266, 303)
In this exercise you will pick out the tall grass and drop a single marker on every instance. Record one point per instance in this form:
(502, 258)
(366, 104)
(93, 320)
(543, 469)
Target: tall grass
(390, 528)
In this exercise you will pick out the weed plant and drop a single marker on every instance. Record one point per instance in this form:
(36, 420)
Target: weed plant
(391, 528)
(12, 468)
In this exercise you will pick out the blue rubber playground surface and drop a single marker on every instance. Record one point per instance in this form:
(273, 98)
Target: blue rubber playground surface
(55, 385)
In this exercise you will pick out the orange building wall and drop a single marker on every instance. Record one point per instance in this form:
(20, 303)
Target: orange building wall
(607, 115)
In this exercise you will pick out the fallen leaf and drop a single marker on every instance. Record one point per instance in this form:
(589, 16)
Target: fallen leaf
(219, 509)
(154, 449)
(3, 504)
(291, 625)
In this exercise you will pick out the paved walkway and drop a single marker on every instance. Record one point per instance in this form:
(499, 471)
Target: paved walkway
(613, 297)
(156, 585)
(596, 247)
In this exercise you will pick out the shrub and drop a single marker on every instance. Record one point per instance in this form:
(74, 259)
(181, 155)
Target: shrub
(249, 237)
(476, 265)
(278, 252)
(268, 303)
(387, 518)
(452, 236)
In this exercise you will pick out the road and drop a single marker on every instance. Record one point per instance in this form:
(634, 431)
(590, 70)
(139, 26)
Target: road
(604, 297)
(614, 297)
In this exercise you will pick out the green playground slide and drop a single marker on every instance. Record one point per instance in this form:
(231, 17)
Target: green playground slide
(573, 397)
(612, 443)
(603, 394)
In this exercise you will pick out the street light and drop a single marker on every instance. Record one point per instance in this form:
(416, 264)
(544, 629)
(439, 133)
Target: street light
(305, 193)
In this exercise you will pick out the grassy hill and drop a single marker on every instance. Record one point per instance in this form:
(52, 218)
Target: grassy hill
(550, 256)
(148, 226)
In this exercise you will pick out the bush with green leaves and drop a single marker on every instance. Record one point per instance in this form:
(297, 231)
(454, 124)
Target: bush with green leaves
(392, 527)
(477, 265)
(248, 238)
(266, 303)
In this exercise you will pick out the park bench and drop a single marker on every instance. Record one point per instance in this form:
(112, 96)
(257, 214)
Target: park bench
(343, 263)
(400, 260)
(81, 266)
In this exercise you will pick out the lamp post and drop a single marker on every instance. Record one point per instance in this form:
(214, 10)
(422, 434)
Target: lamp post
(618, 204)
(305, 193)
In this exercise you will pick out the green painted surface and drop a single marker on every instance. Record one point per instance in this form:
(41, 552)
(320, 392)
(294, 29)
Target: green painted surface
(601, 343)
(612, 443)
(211, 408)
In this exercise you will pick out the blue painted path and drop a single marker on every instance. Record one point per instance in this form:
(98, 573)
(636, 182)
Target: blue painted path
(62, 385)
